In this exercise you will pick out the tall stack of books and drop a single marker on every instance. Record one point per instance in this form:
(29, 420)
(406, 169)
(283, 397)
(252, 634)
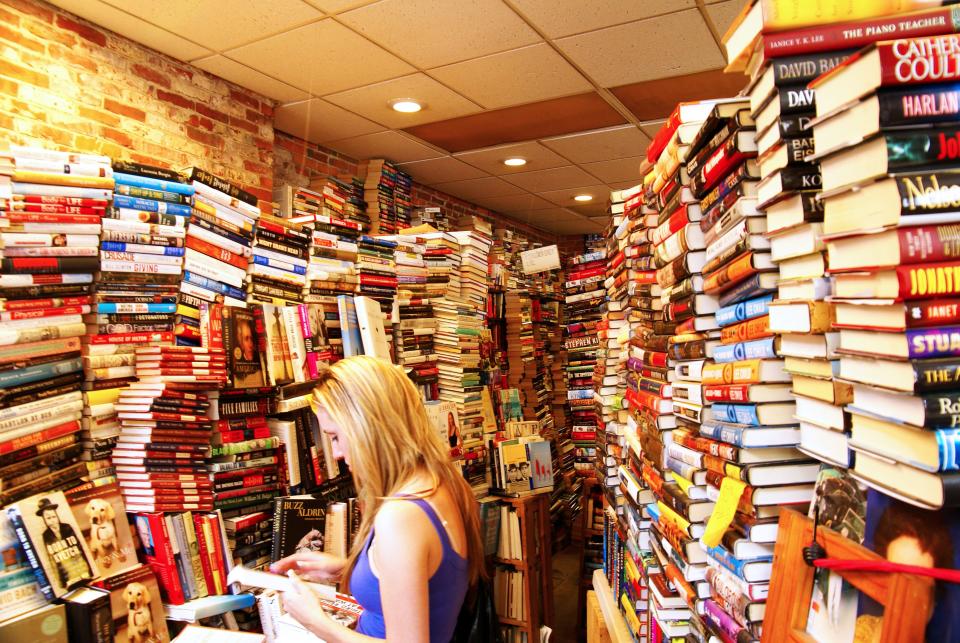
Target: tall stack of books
(583, 296)
(379, 188)
(547, 344)
(442, 256)
(163, 452)
(890, 234)
(277, 271)
(403, 200)
(50, 231)
(416, 324)
(518, 314)
(377, 270)
(474, 260)
(354, 207)
(223, 218)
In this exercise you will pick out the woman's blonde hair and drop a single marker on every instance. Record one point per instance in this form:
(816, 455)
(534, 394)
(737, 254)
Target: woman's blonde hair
(390, 437)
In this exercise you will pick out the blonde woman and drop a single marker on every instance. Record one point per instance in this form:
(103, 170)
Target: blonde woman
(419, 548)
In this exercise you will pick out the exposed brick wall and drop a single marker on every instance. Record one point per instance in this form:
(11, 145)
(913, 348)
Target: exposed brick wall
(68, 84)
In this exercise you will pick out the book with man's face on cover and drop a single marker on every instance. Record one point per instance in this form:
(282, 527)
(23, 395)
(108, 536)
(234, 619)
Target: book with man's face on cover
(53, 542)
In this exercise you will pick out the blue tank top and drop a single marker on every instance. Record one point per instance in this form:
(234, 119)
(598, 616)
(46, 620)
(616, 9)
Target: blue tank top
(447, 587)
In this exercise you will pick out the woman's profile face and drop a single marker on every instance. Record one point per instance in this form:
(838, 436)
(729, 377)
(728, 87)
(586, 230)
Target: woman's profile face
(338, 438)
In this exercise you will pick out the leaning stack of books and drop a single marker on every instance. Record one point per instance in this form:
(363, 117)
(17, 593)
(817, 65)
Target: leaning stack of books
(224, 217)
(583, 296)
(415, 324)
(354, 207)
(277, 270)
(889, 222)
(380, 182)
(50, 230)
(442, 256)
(474, 260)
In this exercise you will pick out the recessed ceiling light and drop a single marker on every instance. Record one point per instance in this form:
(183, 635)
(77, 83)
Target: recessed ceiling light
(583, 197)
(406, 105)
(515, 161)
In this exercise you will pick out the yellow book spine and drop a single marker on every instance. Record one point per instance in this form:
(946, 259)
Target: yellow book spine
(72, 180)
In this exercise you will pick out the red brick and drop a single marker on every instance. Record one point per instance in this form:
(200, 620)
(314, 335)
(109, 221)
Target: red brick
(175, 99)
(266, 110)
(244, 98)
(260, 193)
(244, 125)
(252, 166)
(59, 52)
(8, 87)
(206, 138)
(200, 121)
(212, 113)
(32, 8)
(51, 34)
(125, 110)
(148, 160)
(86, 32)
(98, 116)
(9, 18)
(7, 68)
(18, 37)
(6, 122)
(254, 116)
(52, 134)
(151, 74)
(117, 136)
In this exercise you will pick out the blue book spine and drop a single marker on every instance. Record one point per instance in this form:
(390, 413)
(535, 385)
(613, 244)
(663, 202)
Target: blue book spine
(149, 205)
(215, 286)
(727, 353)
(16, 521)
(757, 307)
(580, 394)
(947, 443)
(140, 308)
(731, 563)
(118, 246)
(727, 315)
(737, 413)
(723, 432)
(264, 261)
(38, 372)
(759, 349)
(153, 184)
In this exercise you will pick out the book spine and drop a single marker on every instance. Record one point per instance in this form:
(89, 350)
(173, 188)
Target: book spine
(806, 67)
(153, 184)
(130, 167)
(929, 280)
(16, 521)
(831, 37)
(928, 343)
(228, 188)
(919, 105)
(919, 61)
(150, 205)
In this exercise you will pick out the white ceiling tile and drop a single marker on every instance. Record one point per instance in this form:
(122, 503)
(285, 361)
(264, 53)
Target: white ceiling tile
(441, 170)
(250, 78)
(320, 122)
(524, 75)
(373, 101)
(652, 127)
(627, 169)
(514, 203)
(134, 28)
(722, 13)
(587, 15)
(430, 33)
(490, 159)
(336, 6)
(564, 197)
(221, 25)
(559, 178)
(476, 188)
(600, 145)
(670, 45)
(321, 58)
(391, 145)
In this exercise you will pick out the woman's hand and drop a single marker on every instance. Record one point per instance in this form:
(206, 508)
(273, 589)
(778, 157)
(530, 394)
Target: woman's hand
(312, 565)
(303, 604)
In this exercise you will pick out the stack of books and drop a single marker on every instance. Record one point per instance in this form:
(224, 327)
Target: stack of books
(412, 270)
(431, 216)
(403, 200)
(416, 324)
(224, 217)
(50, 230)
(520, 348)
(377, 270)
(277, 271)
(474, 260)
(355, 207)
(583, 297)
(894, 290)
(247, 534)
(442, 256)
(380, 183)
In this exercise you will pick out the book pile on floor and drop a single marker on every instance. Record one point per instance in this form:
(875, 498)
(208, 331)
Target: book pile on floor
(380, 185)
(50, 231)
(280, 254)
(583, 293)
(223, 217)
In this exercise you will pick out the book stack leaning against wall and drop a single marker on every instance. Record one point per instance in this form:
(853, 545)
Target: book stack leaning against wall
(52, 207)
(890, 225)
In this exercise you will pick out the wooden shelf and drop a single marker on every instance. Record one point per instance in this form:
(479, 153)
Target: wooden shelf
(513, 562)
(512, 621)
(616, 625)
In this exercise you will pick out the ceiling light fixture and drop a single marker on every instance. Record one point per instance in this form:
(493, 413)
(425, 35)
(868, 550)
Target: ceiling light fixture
(515, 161)
(406, 105)
(583, 197)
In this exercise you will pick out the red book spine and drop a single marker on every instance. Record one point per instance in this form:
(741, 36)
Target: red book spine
(375, 280)
(250, 520)
(161, 561)
(706, 445)
(62, 200)
(40, 436)
(933, 312)
(925, 244)
(204, 554)
(217, 253)
(36, 213)
(45, 312)
(131, 338)
(633, 203)
(645, 277)
(929, 280)
(719, 165)
(672, 225)
(931, 59)
(33, 304)
(861, 33)
(219, 562)
(726, 393)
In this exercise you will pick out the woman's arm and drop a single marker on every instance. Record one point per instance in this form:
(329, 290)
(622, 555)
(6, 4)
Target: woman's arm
(401, 555)
(312, 565)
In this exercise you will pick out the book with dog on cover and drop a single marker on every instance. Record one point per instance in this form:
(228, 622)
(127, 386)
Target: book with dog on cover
(136, 606)
(102, 518)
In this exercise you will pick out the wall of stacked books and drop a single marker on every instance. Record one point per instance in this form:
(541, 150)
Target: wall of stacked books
(777, 333)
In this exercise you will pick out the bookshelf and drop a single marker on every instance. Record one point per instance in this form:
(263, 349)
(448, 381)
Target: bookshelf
(536, 564)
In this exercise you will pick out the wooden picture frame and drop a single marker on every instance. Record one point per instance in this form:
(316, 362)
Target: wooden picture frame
(905, 598)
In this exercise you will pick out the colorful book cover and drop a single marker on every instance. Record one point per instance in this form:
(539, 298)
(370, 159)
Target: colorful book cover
(840, 503)
(541, 464)
(100, 513)
(443, 416)
(19, 590)
(136, 606)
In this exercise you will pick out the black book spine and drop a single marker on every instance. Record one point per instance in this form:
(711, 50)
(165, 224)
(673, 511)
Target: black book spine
(16, 520)
(804, 68)
(927, 104)
(796, 99)
(800, 177)
(279, 529)
(936, 375)
(306, 471)
(151, 171)
(228, 188)
(90, 622)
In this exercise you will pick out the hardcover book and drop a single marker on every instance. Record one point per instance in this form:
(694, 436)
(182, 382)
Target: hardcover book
(100, 514)
(298, 525)
(136, 606)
